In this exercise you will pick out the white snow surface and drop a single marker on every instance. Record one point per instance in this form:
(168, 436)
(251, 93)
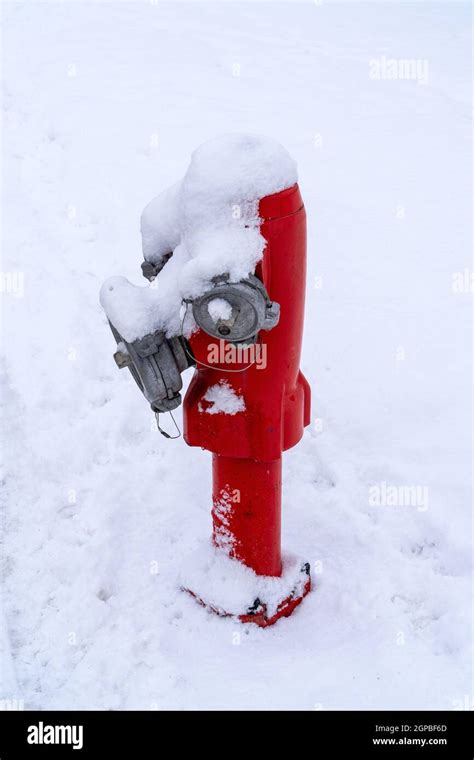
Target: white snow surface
(210, 222)
(222, 399)
(219, 308)
(100, 511)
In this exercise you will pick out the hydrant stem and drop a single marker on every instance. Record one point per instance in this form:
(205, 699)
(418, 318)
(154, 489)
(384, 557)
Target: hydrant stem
(246, 512)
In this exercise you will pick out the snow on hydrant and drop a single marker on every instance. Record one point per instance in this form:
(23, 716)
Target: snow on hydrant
(225, 253)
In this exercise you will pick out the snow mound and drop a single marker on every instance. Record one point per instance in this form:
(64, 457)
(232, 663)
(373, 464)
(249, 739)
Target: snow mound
(219, 308)
(222, 399)
(209, 221)
(131, 309)
(231, 587)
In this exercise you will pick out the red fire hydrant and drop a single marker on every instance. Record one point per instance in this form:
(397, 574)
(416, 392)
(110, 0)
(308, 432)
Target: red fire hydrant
(247, 447)
(220, 243)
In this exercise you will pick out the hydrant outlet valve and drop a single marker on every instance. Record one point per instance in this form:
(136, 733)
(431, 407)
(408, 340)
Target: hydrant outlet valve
(248, 309)
(155, 363)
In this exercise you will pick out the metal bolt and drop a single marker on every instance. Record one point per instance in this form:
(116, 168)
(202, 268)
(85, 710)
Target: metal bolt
(122, 359)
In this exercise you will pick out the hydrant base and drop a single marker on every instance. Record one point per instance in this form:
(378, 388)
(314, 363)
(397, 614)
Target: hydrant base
(228, 588)
(285, 608)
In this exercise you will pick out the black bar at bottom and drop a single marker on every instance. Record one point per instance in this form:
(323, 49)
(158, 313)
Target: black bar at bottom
(151, 734)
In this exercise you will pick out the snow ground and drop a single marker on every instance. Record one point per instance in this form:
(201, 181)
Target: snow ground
(103, 104)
